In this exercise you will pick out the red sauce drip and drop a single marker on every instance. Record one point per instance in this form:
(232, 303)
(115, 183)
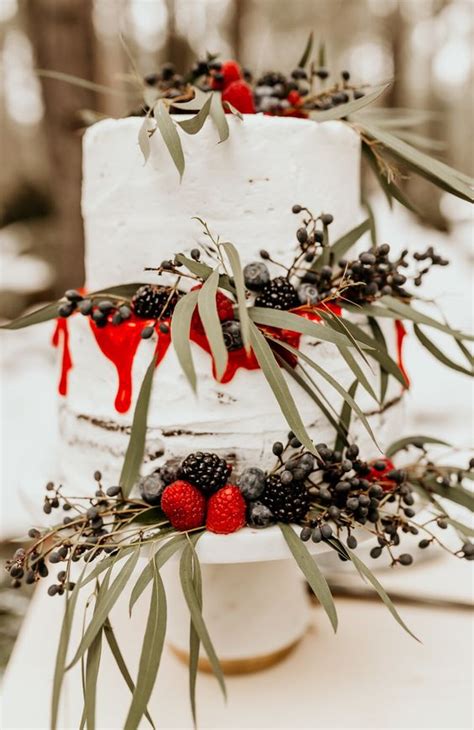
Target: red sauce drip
(401, 334)
(119, 343)
(62, 332)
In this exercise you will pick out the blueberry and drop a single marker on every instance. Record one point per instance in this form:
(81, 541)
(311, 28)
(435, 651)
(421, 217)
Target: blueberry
(259, 515)
(256, 275)
(252, 483)
(305, 534)
(308, 293)
(151, 487)
(73, 295)
(85, 307)
(232, 335)
(66, 309)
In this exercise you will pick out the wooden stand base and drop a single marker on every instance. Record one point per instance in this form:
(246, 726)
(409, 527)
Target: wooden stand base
(239, 666)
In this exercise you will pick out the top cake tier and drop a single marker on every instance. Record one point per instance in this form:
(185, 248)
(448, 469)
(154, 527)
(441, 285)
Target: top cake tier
(136, 215)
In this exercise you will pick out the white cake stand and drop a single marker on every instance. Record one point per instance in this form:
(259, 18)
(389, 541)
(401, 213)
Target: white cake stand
(256, 604)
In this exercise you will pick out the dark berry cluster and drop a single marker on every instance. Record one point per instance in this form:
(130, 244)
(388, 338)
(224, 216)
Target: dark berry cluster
(205, 470)
(170, 83)
(149, 302)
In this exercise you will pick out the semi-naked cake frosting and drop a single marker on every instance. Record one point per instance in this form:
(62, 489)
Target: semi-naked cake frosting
(136, 215)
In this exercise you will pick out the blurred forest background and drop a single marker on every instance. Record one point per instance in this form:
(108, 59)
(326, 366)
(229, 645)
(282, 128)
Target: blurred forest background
(425, 45)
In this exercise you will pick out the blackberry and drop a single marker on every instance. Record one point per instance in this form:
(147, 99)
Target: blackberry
(154, 302)
(278, 294)
(206, 471)
(287, 502)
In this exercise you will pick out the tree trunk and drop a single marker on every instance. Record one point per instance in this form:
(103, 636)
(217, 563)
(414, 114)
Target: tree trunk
(62, 36)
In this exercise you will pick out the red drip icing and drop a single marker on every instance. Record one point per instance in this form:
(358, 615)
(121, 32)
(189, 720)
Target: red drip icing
(119, 343)
(401, 334)
(62, 331)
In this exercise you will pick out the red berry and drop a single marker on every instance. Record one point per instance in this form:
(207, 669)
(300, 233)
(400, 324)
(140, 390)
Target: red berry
(231, 71)
(240, 95)
(184, 505)
(294, 98)
(225, 310)
(379, 475)
(226, 510)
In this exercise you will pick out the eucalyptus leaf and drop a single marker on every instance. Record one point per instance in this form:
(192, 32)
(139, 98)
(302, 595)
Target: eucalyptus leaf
(408, 312)
(307, 52)
(159, 559)
(120, 661)
(336, 385)
(417, 441)
(236, 266)
(343, 244)
(92, 668)
(218, 116)
(367, 574)
(50, 311)
(233, 110)
(207, 306)
(302, 381)
(170, 135)
(194, 641)
(106, 604)
(77, 81)
(344, 110)
(195, 104)
(466, 530)
(295, 323)
(322, 54)
(361, 377)
(457, 494)
(435, 171)
(438, 354)
(150, 657)
(180, 327)
(372, 222)
(195, 609)
(389, 187)
(144, 138)
(203, 271)
(108, 562)
(269, 366)
(345, 419)
(379, 336)
(136, 445)
(311, 572)
(195, 124)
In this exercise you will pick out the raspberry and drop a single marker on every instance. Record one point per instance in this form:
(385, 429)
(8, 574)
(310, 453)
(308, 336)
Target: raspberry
(184, 505)
(231, 72)
(294, 98)
(226, 510)
(240, 95)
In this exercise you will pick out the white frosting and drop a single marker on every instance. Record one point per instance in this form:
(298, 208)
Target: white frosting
(137, 215)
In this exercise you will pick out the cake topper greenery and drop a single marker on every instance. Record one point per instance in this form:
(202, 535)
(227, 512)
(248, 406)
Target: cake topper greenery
(244, 316)
(391, 142)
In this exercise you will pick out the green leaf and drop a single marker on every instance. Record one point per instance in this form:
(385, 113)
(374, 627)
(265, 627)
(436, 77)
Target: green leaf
(343, 110)
(77, 81)
(358, 372)
(438, 354)
(233, 110)
(343, 244)
(307, 52)
(136, 445)
(417, 441)
(218, 116)
(372, 222)
(409, 312)
(302, 381)
(92, 667)
(433, 170)
(119, 660)
(61, 654)
(106, 563)
(106, 603)
(296, 323)
(236, 266)
(144, 138)
(460, 527)
(376, 352)
(180, 326)
(170, 135)
(389, 187)
(276, 381)
(345, 419)
(379, 336)
(50, 311)
(457, 494)
(365, 573)
(187, 583)
(150, 657)
(207, 306)
(194, 104)
(159, 559)
(335, 384)
(194, 641)
(195, 124)
(322, 54)
(203, 271)
(311, 572)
